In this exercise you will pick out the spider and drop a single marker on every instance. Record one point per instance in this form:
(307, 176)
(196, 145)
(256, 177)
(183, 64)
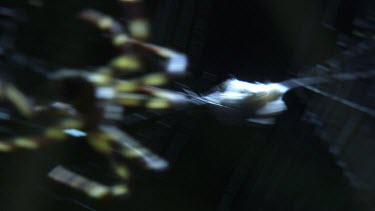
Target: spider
(90, 102)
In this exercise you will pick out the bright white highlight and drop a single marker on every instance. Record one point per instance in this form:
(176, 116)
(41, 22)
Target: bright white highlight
(234, 85)
(236, 92)
(177, 63)
(75, 133)
(105, 93)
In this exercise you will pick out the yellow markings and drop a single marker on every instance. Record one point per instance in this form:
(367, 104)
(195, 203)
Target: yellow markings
(129, 102)
(164, 52)
(130, 153)
(74, 180)
(55, 133)
(71, 123)
(158, 104)
(105, 23)
(131, 99)
(101, 142)
(139, 28)
(98, 191)
(122, 171)
(156, 79)
(25, 143)
(5, 147)
(120, 40)
(126, 62)
(119, 190)
(19, 100)
(100, 78)
(127, 86)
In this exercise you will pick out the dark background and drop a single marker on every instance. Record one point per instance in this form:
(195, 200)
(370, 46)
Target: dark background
(216, 165)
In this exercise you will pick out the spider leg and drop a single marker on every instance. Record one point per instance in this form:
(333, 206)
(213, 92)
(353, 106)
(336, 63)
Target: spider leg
(136, 84)
(138, 25)
(53, 134)
(91, 188)
(17, 98)
(103, 143)
(175, 99)
(176, 62)
(112, 137)
(141, 100)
